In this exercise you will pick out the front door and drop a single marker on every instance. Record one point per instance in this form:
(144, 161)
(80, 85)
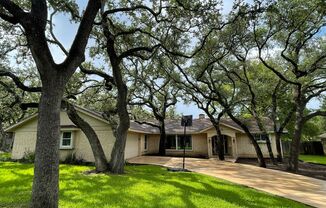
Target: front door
(214, 143)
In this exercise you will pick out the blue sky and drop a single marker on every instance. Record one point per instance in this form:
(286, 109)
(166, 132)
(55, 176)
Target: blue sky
(65, 31)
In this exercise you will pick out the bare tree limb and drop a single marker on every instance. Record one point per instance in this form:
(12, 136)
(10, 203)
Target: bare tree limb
(18, 83)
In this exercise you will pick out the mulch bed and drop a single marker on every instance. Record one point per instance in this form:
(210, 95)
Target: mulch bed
(306, 169)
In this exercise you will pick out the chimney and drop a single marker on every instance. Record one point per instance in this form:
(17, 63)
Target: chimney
(201, 116)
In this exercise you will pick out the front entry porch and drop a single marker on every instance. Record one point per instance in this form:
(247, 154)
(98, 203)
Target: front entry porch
(229, 146)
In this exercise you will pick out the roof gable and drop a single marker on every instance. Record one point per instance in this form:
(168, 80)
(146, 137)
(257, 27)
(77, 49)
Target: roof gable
(81, 110)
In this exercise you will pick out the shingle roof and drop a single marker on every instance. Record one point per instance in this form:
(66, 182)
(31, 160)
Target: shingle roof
(173, 126)
(200, 125)
(322, 136)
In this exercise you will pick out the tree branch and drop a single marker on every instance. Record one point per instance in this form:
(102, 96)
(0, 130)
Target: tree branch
(147, 123)
(312, 115)
(25, 106)
(13, 9)
(18, 83)
(11, 19)
(133, 51)
(76, 54)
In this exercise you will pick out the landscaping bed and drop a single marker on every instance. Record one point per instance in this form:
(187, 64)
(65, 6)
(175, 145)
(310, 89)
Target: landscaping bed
(305, 168)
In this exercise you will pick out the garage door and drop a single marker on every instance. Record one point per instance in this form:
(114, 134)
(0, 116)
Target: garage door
(131, 149)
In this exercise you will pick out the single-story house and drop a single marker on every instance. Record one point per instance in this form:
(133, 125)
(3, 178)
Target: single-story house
(142, 139)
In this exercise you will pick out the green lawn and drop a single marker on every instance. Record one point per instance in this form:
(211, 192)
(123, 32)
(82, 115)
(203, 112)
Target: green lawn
(4, 156)
(141, 186)
(313, 159)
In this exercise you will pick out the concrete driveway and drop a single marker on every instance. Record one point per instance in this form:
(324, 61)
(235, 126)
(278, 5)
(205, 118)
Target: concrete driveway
(304, 189)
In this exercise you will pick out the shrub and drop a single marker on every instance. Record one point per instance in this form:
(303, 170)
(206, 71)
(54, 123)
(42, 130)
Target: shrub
(73, 160)
(29, 157)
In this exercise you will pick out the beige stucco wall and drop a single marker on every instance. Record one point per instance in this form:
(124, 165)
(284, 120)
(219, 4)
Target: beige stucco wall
(199, 146)
(25, 139)
(239, 144)
(153, 144)
(224, 129)
(323, 141)
(246, 149)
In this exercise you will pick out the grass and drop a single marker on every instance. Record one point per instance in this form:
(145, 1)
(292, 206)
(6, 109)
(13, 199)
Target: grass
(141, 186)
(318, 159)
(5, 156)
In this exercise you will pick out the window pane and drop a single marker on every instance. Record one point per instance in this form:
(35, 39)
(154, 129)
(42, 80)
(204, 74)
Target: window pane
(188, 142)
(66, 142)
(264, 137)
(66, 135)
(257, 137)
(260, 137)
(170, 142)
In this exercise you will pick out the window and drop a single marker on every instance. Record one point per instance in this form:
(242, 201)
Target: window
(176, 142)
(145, 142)
(261, 137)
(171, 142)
(184, 140)
(66, 140)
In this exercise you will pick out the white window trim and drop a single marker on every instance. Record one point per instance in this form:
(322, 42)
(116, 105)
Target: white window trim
(264, 141)
(71, 140)
(176, 143)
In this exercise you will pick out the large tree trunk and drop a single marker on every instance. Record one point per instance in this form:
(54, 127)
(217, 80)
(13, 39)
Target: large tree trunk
(278, 146)
(219, 145)
(54, 78)
(270, 150)
(162, 139)
(101, 163)
(295, 144)
(278, 129)
(118, 152)
(117, 161)
(46, 168)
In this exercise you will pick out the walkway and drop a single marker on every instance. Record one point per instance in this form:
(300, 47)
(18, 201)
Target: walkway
(296, 187)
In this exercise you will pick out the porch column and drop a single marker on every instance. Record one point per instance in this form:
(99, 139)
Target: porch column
(209, 147)
(234, 147)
